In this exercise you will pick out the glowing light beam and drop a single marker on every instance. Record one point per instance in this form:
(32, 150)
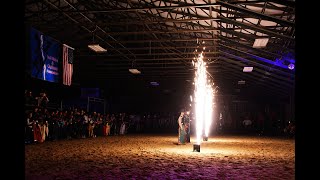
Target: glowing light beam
(208, 109)
(203, 98)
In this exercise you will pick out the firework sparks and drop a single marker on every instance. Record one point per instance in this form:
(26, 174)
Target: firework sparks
(203, 98)
(208, 109)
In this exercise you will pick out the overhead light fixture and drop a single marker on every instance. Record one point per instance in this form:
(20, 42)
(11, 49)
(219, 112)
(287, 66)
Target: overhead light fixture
(241, 82)
(134, 71)
(247, 69)
(96, 48)
(133, 68)
(260, 43)
(291, 66)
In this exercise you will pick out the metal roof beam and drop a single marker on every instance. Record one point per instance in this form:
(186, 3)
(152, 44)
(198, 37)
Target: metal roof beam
(256, 14)
(258, 29)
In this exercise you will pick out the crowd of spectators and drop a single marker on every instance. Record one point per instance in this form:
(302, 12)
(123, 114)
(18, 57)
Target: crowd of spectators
(43, 123)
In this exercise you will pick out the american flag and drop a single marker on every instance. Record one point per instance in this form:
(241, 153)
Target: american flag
(67, 65)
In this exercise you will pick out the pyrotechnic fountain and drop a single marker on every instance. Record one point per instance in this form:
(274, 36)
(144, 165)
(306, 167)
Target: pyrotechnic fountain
(203, 99)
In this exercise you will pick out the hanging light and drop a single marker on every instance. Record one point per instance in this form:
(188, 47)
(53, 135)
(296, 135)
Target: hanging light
(291, 66)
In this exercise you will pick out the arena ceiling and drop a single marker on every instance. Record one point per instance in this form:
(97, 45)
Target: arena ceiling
(160, 39)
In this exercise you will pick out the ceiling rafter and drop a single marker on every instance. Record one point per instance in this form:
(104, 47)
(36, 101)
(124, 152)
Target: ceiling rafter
(161, 37)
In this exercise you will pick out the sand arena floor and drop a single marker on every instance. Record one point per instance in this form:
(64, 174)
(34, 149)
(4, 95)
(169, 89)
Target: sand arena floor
(159, 157)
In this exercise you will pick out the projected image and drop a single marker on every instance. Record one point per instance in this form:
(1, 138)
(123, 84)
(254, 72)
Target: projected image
(45, 54)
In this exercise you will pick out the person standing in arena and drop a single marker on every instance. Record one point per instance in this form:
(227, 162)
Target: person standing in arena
(181, 129)
(187, 124)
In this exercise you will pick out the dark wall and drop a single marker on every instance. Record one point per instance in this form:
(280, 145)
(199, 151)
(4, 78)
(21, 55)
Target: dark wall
(53, 90)
(140, 96)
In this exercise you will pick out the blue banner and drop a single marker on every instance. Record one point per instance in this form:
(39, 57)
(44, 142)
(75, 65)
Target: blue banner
(45, 55)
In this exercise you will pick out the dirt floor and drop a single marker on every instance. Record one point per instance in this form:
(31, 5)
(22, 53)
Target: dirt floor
(159, 157)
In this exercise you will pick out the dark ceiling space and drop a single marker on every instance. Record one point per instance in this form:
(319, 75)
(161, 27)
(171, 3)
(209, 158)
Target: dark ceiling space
(160, 39)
